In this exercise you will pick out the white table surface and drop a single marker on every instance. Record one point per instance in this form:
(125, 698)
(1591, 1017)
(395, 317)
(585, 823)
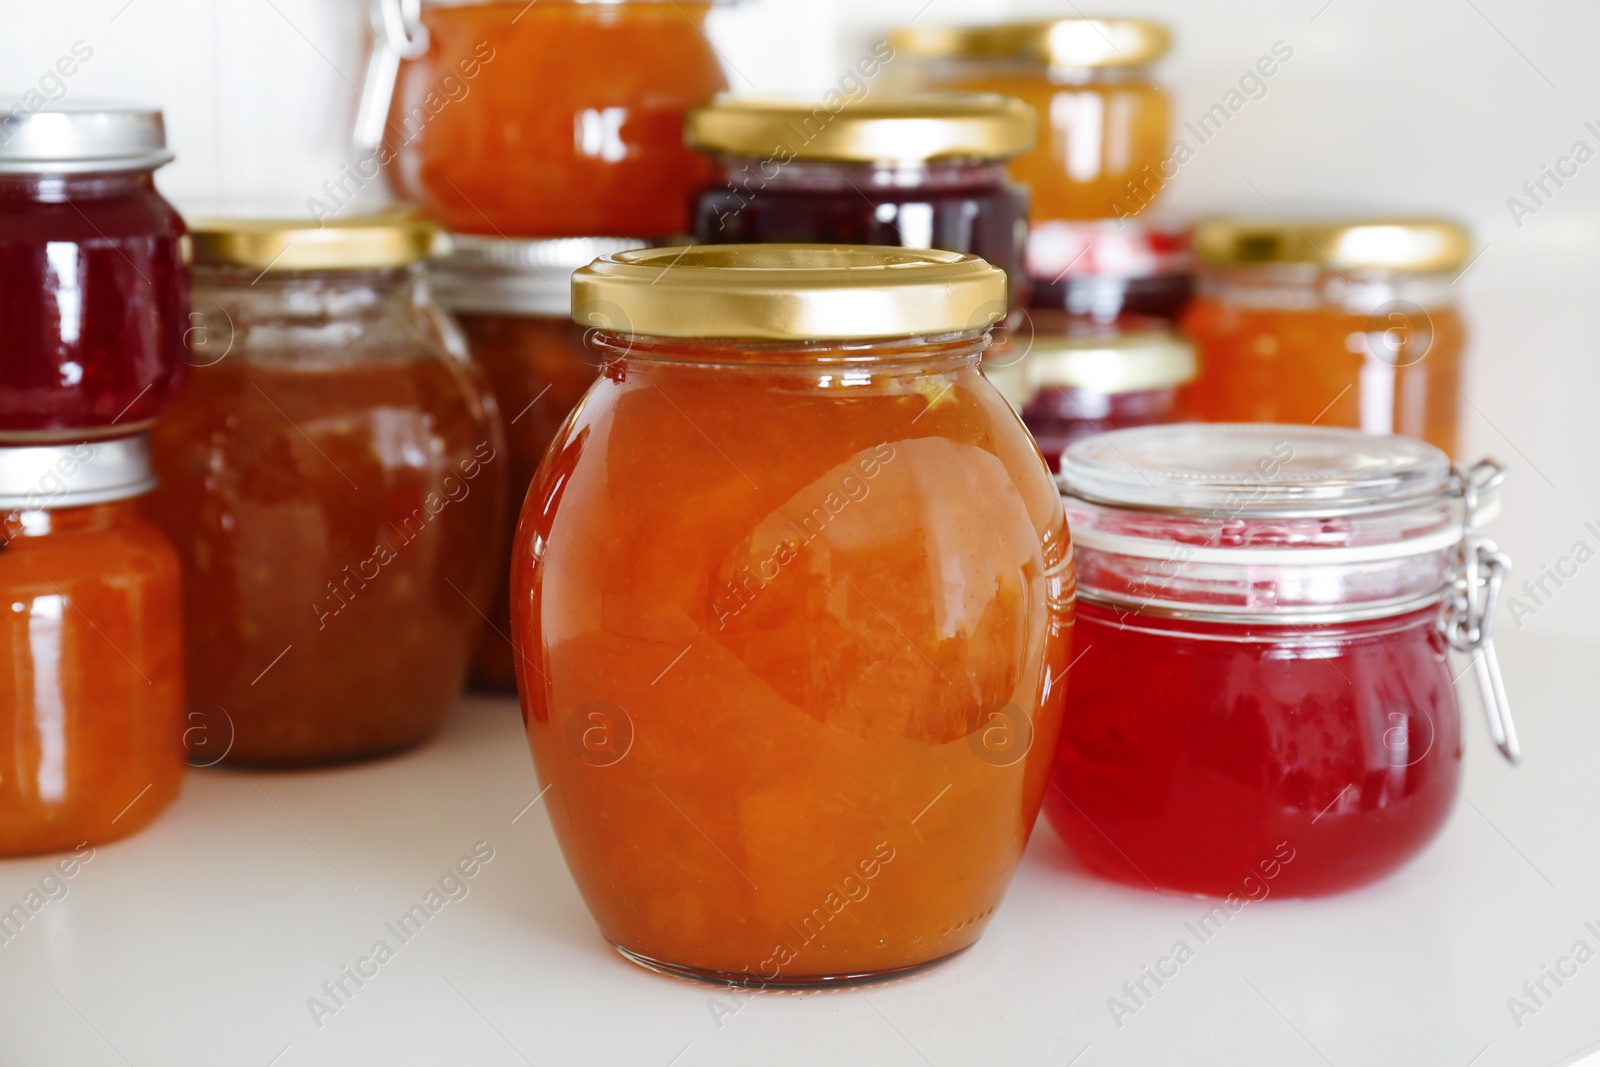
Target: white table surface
(200, 940)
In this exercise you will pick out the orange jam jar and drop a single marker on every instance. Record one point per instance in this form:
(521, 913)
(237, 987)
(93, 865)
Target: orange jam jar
(91, 648)
(559, 118)
(334, 480)
(1103, 124)
(1348, 324)
(790, 584)
(513, 301)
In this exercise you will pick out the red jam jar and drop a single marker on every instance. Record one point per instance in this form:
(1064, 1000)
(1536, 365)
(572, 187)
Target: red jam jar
(1105, 269)
(94, 276)
(560, 118)
(1261, 682)
(793, 590)
(917, 170)
(513, 300)
(1081, 379)
(333, 481)
(91, 648)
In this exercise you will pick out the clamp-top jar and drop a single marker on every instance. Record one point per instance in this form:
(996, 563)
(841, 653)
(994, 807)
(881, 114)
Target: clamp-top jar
(94, 276)
(1261, 685)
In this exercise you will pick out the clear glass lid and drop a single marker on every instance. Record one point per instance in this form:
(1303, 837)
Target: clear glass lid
(1254, 470)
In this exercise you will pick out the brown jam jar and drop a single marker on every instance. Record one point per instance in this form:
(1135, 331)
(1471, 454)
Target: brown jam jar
(334, 483)
(513, 301)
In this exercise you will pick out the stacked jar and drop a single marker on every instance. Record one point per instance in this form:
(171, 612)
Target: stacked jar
(1101, 161)
(94, 302)
(535, 177)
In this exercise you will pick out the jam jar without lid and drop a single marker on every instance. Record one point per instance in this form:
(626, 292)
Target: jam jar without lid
(789, 586)
(1104, 124)
(917, 170)
(334, 482)
(592, 145)
(94, 276)
(1349, 323)
(91, 649)
(1261, 690)
(513, 300)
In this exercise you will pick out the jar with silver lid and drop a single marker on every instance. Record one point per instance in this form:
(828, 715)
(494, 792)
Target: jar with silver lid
(513, 300)
(94, 273)
(91, 649)
(1261, 685)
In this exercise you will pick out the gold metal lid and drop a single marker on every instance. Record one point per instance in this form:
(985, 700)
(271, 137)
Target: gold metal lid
(396, 238)
(1074, 42)
(786, 292)
(880, 128)
(1419, 245)
(1111, 361)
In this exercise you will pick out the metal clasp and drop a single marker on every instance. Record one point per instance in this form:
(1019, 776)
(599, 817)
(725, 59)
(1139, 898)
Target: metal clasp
(397, 33)
(1468, 621)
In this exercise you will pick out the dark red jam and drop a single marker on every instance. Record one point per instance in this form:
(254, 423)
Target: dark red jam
(94, 302)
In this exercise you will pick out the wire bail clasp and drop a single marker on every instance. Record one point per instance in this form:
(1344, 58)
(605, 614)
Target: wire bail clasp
(397, 33)
(1468, 623)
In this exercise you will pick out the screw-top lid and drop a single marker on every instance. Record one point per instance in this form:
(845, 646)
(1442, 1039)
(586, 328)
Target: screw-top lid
(1062, 43)
(1110, 359)
(389, 238)
(69, 476)
(1419, 245)
(519, 277)
(879, 128)
(789, 292)
(1254, 470)
(81, 137)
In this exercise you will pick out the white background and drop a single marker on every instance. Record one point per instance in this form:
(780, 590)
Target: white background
(1426, 106)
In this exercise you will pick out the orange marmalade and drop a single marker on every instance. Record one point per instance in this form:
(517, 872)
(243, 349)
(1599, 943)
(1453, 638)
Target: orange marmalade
(788, 601)
(553, 119)
(1348, 324)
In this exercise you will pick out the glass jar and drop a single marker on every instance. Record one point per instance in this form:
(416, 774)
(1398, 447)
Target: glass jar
(513, 300)
(796, 703)
(91, 647)
(1261, 692)
(334, 482)
(1105, 125)
(1084, 379)
(917, 170)
(592, 143)
(1342, 324)
(94, 276)
(1106, 269)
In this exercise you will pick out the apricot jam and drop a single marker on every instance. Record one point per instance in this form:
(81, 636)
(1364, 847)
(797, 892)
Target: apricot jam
(335, 486)
(91, 649)
(1261, 666)
(1338, 324)
(1104, 126)
(555, 119)
(786, 600)
(94, 275)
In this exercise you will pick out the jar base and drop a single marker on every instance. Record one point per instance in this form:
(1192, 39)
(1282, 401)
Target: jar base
(782, 981)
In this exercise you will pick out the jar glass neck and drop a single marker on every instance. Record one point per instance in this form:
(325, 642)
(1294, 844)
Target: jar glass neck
(1316, 287)
(749, 174)
(310, 294)
(38, 522)
(58, 188)
(904, 355)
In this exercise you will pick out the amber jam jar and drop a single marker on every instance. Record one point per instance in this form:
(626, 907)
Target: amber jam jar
(1342, 324)
(91, 648)
(513, 300)
(1104, 124)
(917, 170)
(1081, 379)
(789, 585)
(334, 480)
(1261, 688)
(556, 119)
(94, 275)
